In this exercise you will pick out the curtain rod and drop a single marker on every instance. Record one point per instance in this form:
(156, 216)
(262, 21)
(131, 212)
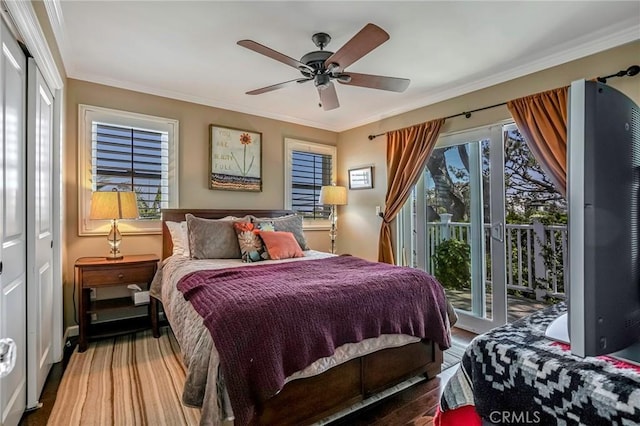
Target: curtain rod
(467, 114)
(629, 72)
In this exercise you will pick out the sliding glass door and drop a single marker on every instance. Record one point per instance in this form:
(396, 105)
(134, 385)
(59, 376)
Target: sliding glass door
(453, 225)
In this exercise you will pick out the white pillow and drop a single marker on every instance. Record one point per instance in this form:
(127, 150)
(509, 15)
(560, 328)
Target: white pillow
(179, 236)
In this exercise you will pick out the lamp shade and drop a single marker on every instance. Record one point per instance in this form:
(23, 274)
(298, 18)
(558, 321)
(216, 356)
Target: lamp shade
(334, 195)
(114, 205)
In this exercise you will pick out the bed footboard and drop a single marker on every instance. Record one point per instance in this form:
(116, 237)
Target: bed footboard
(305, 401)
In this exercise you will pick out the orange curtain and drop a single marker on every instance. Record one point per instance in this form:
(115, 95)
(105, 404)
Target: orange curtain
(407, 153)
(542, 120)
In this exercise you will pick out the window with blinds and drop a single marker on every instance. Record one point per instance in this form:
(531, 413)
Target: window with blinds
(127, 151)
(132, 159)
(309, 166)
(309, 172)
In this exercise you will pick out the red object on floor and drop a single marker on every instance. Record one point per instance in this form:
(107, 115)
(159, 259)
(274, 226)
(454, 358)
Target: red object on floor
(461, 416)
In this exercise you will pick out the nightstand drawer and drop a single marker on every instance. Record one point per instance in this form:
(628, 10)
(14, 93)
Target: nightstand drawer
(118, 275)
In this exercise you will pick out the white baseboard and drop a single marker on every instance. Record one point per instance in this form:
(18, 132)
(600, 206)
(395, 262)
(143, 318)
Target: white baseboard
(74, 330)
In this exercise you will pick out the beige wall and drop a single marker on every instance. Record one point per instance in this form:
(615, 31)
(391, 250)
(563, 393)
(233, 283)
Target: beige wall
(360, 227)
(193, 166)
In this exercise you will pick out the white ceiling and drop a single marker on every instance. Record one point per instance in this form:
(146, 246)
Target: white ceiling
(188, 51)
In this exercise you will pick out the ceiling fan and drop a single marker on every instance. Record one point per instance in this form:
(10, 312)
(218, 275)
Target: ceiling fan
(323, 66)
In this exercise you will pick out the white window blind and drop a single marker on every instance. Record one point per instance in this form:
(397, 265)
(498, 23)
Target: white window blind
(309, 166)
(309, 172)
(131, 159)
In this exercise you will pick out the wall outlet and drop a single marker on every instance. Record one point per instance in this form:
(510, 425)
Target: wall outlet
(94, 317)
(92, 294)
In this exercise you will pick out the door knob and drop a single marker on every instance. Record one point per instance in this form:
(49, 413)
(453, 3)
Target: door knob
(7, 356)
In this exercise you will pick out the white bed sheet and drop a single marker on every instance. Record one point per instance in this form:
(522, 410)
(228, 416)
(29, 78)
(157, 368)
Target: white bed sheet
(204, 386)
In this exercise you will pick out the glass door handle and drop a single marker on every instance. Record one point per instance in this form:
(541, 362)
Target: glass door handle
(7, 356)
(497, 232)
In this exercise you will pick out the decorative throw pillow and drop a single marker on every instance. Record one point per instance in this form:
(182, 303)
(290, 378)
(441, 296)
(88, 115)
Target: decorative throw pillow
(250, 242)
(265, 226)
(179, 237)
(291, 223)
(212, 238)
(281, 245)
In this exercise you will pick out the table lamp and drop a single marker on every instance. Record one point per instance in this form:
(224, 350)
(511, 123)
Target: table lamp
(334, 196)
(114, 205)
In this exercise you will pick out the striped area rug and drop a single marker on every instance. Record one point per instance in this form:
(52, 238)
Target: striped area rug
(128, 380)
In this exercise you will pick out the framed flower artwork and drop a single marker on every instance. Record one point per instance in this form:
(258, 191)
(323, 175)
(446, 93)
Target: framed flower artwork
(235, 159)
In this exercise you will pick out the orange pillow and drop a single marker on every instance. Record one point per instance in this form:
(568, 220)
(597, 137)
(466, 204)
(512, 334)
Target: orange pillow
(281, 245)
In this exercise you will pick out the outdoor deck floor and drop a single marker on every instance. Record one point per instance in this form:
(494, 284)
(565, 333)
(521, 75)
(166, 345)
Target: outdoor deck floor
(517, 306)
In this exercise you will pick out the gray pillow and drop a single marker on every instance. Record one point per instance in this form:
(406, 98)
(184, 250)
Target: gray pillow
(291, 223)
(212, 238)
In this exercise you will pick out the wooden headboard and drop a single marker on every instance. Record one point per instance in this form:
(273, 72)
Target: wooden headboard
(177, 215)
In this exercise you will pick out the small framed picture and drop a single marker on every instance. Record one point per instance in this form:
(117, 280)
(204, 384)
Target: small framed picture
(235, 159)
(361, 178)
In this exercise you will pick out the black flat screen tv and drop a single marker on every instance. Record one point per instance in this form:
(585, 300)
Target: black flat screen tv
(603, 184)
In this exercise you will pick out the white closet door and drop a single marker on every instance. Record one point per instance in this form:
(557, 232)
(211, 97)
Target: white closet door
(13, 223)
(40, 234)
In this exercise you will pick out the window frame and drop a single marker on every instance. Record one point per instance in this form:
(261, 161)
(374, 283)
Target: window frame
(87, 114)
(291, 145)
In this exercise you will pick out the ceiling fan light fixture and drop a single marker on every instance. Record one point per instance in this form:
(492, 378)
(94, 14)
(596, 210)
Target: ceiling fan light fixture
(322, 81)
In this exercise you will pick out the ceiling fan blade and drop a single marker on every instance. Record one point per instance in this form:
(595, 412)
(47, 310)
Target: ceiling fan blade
(277, 86)
(329, 97)
(280, 57)
(392, 84)
(370, 37)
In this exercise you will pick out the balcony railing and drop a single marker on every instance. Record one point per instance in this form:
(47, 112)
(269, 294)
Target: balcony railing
(536, 254)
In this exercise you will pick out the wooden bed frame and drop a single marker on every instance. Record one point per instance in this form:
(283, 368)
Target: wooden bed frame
(311, 399)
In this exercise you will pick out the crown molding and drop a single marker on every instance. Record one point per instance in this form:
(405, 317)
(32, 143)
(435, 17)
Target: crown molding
(626, 32)
(26, 22)
(56, 20)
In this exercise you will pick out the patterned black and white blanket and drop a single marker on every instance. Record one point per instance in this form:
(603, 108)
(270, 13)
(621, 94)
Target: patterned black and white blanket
(514, 375)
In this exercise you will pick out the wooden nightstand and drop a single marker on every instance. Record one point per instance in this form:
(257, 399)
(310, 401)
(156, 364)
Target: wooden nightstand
(99, 272)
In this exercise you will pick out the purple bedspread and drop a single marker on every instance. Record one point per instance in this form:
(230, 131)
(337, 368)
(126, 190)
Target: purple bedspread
(269, 321)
